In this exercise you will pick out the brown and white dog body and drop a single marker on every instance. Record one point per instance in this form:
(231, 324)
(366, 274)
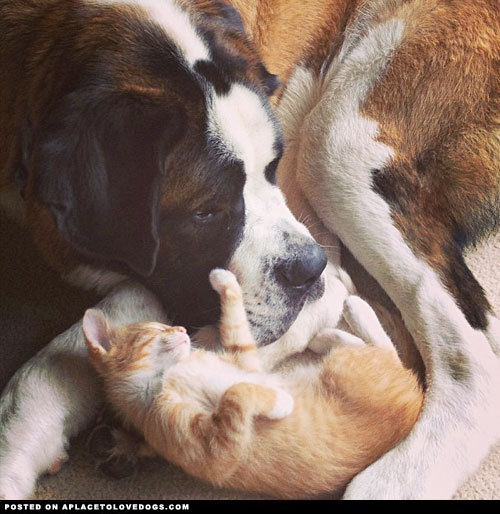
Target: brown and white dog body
(395, 144)
(390, 120)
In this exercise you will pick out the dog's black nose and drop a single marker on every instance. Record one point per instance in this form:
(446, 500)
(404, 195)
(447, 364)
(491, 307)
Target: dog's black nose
(302, 271)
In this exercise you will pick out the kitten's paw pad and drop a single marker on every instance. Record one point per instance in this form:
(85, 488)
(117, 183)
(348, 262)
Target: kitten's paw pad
(58, 464)
(223, 280)
(283, 405)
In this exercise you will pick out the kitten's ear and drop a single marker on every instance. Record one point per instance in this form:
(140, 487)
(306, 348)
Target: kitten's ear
(97, 332)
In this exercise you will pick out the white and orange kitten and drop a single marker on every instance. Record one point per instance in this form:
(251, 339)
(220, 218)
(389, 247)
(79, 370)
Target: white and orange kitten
(223, 419)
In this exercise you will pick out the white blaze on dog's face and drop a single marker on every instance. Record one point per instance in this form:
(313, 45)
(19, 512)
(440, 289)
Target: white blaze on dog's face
(277, 263)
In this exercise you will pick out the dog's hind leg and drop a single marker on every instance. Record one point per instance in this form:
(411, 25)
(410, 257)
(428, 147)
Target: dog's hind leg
(55, 394)
(460, 420)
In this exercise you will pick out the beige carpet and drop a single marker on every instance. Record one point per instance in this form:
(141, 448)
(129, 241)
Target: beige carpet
(157, 480)
(485, 264)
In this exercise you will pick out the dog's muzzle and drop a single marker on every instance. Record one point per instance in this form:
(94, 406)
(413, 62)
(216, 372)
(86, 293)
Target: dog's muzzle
(282, 280)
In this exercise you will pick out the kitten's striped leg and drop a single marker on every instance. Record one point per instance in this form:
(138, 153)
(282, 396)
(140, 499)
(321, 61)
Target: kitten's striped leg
(235, 333)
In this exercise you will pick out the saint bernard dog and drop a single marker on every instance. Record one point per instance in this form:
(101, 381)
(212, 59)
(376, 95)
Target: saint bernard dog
(142, 139)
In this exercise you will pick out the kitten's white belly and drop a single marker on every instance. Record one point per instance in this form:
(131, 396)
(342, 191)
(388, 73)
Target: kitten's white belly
(206, 379)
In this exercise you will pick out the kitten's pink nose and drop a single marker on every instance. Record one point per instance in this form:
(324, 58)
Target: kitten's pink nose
(180, 329)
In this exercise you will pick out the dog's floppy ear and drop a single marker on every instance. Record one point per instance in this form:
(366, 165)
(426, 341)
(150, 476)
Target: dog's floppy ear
(97, 169)
(270, 81)
(233, 22)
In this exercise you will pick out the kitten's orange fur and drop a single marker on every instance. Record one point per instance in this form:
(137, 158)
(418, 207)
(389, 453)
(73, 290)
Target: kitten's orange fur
(223, 420)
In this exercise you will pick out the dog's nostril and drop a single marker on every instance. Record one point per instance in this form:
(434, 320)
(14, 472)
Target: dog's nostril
(303, 271)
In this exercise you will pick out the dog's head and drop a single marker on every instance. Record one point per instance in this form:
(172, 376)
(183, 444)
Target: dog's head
(158, 157)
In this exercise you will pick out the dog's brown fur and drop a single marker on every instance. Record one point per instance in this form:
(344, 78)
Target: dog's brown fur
(441, 116)
(437, 106)
(288, 33)
(29, 91)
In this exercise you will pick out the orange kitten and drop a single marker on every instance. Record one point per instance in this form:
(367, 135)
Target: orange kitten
(224, 420)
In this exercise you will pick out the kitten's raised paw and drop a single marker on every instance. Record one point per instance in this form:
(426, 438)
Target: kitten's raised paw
(283, 405)
(222, 279)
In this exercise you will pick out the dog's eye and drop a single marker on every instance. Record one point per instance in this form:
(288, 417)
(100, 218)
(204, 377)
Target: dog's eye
(270, 171)
(205, 216)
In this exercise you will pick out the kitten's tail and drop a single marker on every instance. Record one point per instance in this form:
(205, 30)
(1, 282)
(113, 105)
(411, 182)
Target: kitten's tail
(234, 329)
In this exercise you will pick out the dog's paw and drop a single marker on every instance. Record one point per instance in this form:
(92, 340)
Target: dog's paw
(283, 405)
(223, 280)
(117, 450)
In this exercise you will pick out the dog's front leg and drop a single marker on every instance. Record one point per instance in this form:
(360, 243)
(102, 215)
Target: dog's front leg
(338, 157)
(460, 420)
(55, 394)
